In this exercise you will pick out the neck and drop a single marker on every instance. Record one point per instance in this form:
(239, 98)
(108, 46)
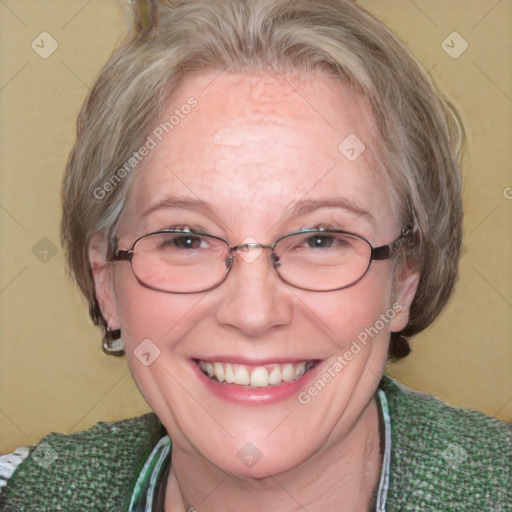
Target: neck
(343, 475)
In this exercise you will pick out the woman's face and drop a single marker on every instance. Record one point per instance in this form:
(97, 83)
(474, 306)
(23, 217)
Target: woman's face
(259, 157)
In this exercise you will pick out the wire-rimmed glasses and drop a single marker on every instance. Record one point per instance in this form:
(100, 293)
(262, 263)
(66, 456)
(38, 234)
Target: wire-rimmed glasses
(187, 261)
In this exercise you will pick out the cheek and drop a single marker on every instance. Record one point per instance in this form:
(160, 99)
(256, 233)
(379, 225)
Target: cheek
(345, 314)
(154, 328)
(148, 314)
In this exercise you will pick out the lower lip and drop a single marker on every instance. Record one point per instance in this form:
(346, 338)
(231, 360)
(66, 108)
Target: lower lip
(253, 395)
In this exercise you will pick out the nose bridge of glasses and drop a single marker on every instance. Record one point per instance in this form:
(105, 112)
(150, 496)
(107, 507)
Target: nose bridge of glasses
(251, 251)
(251, 245)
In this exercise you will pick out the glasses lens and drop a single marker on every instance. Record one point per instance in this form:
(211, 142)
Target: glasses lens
(322, 260)
(180, 262)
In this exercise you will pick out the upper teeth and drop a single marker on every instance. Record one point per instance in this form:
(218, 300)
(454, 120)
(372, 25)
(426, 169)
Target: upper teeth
(255, 376)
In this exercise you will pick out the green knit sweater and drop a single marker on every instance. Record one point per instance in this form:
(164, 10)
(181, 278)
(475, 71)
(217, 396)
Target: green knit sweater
(442, 459)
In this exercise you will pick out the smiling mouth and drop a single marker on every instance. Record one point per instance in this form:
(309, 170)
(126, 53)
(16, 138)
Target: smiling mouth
(268, 375)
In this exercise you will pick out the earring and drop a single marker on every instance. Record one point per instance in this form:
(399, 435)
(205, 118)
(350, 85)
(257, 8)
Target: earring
(112, 343)
(399, 346)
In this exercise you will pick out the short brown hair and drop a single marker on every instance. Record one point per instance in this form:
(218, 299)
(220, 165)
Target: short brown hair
(419, 133)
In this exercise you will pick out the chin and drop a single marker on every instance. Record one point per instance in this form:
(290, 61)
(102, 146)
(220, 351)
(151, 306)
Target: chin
(251, 462)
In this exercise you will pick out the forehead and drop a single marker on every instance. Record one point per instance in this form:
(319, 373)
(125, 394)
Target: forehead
(255, 144)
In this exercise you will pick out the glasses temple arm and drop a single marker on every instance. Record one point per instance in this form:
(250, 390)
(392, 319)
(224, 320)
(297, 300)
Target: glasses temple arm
(387, 251)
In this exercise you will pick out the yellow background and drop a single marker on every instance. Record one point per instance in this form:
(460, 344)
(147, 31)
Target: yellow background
(53, 374)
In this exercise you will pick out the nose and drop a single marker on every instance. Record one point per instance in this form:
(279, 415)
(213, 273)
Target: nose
(254, 300)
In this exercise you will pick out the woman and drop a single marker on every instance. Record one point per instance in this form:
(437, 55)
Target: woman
(263, 202)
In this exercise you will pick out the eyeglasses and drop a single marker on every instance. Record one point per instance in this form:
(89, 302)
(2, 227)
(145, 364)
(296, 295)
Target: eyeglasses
(186, 261)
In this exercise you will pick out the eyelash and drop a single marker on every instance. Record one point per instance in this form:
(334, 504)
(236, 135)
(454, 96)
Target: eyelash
(322, 225)
(184, 227)
(319, 225)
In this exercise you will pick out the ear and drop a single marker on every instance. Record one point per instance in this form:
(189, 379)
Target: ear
(103, 279)
(404, 290)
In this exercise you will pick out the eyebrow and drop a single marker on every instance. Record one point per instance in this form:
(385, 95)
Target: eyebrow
(308, 205)
(183, 202)
(302, 207)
